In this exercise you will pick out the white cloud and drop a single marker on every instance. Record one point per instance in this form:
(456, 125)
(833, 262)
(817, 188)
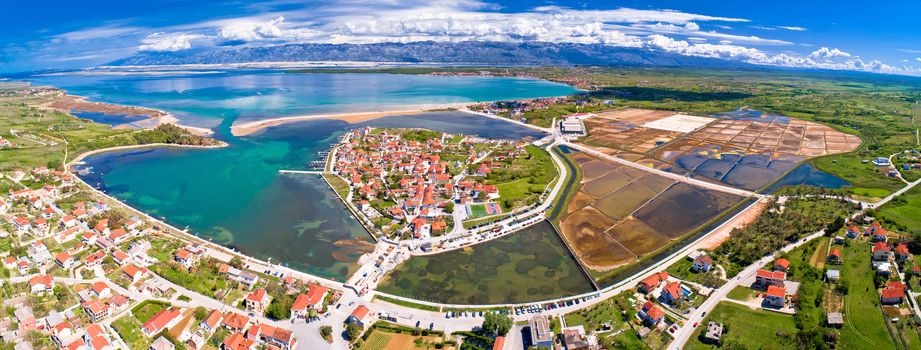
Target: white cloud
(763, 28)
(162, 42)
(827, 54)
(918, 59)
(273, 29)
(793, 28)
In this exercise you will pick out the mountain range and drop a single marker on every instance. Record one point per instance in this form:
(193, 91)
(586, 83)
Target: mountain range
(468, 52)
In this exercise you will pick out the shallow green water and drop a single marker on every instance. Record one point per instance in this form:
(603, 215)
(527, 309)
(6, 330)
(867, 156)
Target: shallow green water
(529, 265)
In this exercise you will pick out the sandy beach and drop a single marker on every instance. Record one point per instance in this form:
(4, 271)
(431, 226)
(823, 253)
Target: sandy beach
(249, 128)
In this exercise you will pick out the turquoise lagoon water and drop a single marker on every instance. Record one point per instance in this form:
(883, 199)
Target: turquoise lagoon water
(234, 195)
(207, 99)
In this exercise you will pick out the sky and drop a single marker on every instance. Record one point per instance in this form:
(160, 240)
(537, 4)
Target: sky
(874, 36)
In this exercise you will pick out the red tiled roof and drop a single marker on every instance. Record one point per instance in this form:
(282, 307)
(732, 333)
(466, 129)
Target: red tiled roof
(213, 319)
(774, 291)
(360, 312)
(655, 312)
(41, 279)
(160, 320)
(893, 293)
(235, 321)
(256, 296)
(499, 343)
(672, 288)
(880, 246)
(782, 263)
(99, 287)
(835, 253)
(238, 341)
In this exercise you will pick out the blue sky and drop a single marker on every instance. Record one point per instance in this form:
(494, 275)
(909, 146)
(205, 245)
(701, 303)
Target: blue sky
(878, 36)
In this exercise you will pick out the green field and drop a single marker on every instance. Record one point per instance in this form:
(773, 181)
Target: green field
(521, 182)
(755, 329)
(147, 309)
(130, 331)
(477, 211)
(741, 293)
(864, 326)
(866, 178)
(904, 211)
(682, 270)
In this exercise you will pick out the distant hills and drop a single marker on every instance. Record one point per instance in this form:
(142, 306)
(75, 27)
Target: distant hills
(470, 52)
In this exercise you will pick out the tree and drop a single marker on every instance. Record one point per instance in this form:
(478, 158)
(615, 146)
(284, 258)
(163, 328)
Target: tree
(236, 262)
(353, 331)
(201, 313)
(496, 323)
(327, 333)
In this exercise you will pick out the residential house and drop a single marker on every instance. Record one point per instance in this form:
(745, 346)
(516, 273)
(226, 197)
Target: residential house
(101, 290)
(312, 300)
(574, 339)
(69, 221)
(257, 301)
(134, 273)
(714, 333)
(881, 252)
(161, 343)
(765, 279)
(120, 257)
(359, 316)
(64, 260)
(651, 313)
(235, 322)
(781, 265)
(162, 320)
(775, 297)
(853, 232)
(210, 323)
(702, 263)
(118, 235)
(25, 318)
(94, 259)
(650, 283)
(96, 310)
(237, 341)
(893, 293)
(901, 252)
(834, 257)
(541, 333)
(186, 258)
(41, 284)
(275, 337)
(672, 292)
(879, 235)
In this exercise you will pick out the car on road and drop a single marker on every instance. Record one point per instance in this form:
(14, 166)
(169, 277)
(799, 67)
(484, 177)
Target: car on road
(695, 324)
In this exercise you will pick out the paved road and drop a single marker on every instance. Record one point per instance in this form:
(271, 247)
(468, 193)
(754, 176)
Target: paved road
(684, 333)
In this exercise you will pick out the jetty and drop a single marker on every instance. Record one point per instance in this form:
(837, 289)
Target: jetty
(314, 172)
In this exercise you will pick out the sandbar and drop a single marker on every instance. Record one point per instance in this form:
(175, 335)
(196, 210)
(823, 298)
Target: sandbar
(249, 128)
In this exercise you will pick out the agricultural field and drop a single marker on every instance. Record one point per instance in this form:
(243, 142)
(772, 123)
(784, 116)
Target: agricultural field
(620, 214)
(754, 329)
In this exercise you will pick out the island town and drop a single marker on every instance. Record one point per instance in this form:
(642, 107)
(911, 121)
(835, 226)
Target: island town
(85, 271)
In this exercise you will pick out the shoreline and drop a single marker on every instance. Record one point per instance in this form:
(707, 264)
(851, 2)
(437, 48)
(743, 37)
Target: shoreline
(185, 234)
(155, 117)
(254, 127)
(79, 158)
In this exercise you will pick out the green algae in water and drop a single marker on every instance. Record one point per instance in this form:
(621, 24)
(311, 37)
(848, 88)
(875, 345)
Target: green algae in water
(529, 265)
